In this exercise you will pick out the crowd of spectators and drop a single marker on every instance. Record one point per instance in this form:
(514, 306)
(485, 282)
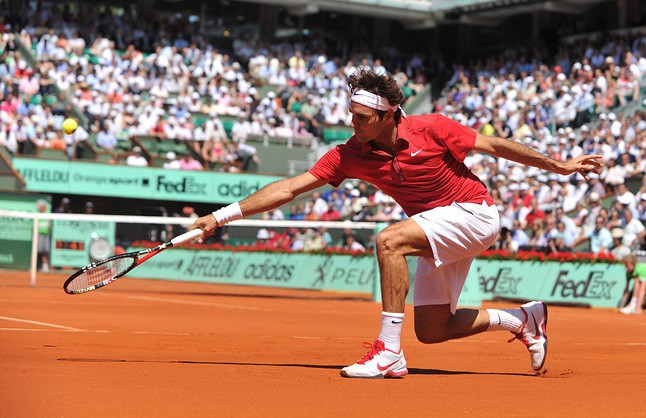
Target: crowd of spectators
(137, 79)
(312, 240)
(131, 78)
(513, 96)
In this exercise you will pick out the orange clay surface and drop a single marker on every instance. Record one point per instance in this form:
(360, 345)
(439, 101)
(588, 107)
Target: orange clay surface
(143, 348)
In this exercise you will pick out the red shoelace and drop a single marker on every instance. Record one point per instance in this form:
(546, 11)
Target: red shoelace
(375, 349)
(520, 336)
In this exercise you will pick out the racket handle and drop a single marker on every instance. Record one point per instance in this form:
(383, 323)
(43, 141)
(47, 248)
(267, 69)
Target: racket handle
(187, 236)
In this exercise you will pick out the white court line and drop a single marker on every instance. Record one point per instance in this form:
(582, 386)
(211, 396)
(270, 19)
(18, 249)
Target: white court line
(87, 302)
(240, 307)
(35, 330)
(77, 301)
(45, 324)
(190, 302)
(101, 331)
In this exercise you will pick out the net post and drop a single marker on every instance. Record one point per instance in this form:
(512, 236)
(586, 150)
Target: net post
(33, 265)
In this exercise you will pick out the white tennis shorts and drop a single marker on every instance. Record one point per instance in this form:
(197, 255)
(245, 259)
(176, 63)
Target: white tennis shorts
(457, 234)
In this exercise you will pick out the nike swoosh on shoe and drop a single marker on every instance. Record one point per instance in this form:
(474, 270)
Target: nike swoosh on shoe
(382, 368)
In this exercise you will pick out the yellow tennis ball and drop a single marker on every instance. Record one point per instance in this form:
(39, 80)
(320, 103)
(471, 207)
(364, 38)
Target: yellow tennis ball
(69, 126)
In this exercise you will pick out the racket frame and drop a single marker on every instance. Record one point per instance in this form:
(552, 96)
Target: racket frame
(138, 257)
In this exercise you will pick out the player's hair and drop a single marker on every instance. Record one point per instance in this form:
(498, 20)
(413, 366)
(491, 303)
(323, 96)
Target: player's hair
(381, 84)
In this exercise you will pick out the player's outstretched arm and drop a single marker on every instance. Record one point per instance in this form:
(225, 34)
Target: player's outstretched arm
(510, 150)
(278, 193)
(269, 197)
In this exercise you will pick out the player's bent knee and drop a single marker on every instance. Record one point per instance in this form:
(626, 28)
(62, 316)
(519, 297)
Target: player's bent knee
(387, 241)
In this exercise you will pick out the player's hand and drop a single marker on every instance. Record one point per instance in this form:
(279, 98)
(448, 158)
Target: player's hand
(583, 164)
(207, 224)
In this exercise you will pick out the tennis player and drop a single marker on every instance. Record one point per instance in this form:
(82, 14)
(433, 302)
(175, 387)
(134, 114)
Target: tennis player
(418, 160)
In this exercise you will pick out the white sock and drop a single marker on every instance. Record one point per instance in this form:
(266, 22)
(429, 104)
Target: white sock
(633, 302)
(391, 329)
(506, 319)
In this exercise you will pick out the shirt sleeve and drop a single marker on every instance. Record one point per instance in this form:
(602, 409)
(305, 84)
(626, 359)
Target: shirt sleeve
(457, 138)
(328, 167)
(640, 271)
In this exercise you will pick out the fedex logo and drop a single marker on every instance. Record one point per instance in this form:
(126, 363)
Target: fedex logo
(502, 282)
(592, 287)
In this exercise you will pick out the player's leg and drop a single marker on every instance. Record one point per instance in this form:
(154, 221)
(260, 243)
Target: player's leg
(437, 319)
(436, 323)
(625, 297)
(631, 307)
(641, 295)
(385, 357)
(444, 235)
(393, 244)
(43, 250)
(456, 235)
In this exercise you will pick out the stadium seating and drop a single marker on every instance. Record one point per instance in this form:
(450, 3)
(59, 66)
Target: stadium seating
(505, 97)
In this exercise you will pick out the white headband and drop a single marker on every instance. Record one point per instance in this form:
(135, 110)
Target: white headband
(372, 100)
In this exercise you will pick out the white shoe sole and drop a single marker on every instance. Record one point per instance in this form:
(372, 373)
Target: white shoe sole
(388, 375)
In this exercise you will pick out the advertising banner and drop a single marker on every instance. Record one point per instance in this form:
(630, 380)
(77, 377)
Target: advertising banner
(67, 177)
(599, 284)
(293, 270)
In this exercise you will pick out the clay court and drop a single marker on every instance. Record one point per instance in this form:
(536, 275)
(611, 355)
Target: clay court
(168, 349)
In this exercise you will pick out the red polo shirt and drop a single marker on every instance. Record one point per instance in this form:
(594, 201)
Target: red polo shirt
(427, 170)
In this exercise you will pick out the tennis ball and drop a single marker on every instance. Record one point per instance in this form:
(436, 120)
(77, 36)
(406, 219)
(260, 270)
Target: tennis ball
(69, 126)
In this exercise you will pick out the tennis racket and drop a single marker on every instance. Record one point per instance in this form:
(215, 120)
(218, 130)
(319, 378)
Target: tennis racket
(104, 272)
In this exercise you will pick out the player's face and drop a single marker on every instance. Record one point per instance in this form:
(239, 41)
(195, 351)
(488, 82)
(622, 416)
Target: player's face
(366, 123)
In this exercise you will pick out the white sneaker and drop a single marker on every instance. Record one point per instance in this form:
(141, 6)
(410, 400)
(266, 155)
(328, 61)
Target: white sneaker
(534, 333)
(627, 310)
(377, 363)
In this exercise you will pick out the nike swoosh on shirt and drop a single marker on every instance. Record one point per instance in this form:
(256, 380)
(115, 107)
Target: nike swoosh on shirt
(412, 154)
(382, 368)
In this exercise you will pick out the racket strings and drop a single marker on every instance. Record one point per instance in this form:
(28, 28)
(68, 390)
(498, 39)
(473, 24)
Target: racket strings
(100, 273)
